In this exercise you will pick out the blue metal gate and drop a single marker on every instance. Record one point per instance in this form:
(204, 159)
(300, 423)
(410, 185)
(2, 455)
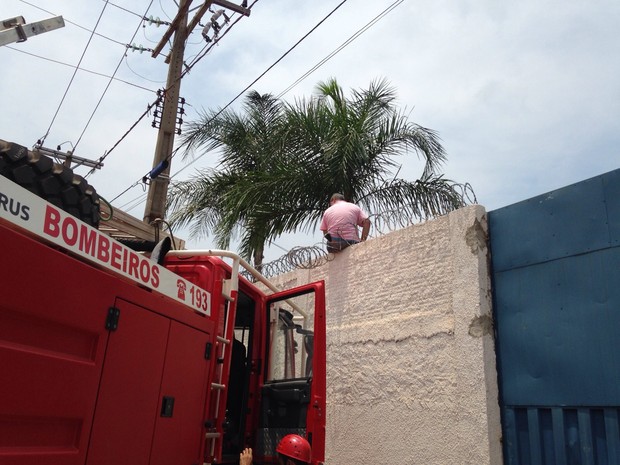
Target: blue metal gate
(556, 295)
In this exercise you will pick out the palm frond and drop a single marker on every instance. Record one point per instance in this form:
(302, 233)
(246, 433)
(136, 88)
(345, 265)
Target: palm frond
(280, 162)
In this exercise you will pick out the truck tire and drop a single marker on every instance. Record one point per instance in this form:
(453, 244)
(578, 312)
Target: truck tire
(53, 182)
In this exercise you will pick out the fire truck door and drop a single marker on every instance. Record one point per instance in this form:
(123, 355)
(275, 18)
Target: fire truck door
(293, 394)
(130, 383)
(152, 394)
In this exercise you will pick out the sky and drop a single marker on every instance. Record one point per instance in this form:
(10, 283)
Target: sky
(524, 95)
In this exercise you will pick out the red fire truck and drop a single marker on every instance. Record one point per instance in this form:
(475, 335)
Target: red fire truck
(109, 357)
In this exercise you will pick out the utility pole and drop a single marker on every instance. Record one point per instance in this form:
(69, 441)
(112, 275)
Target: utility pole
(158, 188)
(156, 200)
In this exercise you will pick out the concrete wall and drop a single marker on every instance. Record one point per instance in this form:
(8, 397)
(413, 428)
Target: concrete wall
(411, 375)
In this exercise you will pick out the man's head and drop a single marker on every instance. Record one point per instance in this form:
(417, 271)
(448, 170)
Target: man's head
(335, 198)
(293, 449)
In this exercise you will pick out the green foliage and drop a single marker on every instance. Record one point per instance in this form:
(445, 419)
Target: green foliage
(279, 164)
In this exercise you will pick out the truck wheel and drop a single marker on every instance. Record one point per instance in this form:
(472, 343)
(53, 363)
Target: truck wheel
(53, 182)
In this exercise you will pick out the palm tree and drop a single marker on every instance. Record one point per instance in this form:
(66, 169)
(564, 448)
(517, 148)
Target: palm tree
(351, 145)
(214, 200)
(281, 163)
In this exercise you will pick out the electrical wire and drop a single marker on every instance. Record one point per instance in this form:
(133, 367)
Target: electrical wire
(259, 77)
(279, 59)
(136, 202)
(164, 11)
(342, 46)
(147, 37)
(110, 81)
(140, 76)
(105, 155)
(187, 69)
(312, 256)
(207, 49)
(42, 140)
(322, 62)
(81, 69)
(124, 9)
(71, 22)
(125, 191)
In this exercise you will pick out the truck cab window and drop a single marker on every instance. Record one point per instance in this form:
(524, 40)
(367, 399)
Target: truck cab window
(291, 336)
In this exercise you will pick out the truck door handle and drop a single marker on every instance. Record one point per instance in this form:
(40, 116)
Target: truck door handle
(167, 406)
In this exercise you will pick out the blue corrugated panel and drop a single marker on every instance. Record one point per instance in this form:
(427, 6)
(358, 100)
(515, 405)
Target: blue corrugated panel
(611, 188)
(558, 325)
(561, 223)
(556, 299)
(561, 436)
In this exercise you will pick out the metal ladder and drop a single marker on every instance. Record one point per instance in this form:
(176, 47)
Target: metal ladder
(219, 390)
(214, 436)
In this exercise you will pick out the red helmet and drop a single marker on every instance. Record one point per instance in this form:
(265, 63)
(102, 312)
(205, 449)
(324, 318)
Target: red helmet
(295, 447)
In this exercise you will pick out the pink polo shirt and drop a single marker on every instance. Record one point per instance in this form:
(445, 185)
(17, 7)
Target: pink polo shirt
(342, 219)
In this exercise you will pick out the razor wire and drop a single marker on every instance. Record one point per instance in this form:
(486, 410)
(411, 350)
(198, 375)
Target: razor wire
(381, 223)
(303, 258)
(389, 221)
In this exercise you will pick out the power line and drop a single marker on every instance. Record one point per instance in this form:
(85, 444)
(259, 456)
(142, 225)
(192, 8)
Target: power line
(71, 22)
(140, 76)
(128, 206)
(110, 81)
(279, 59)
(321, 63)
(240, 93)
(164, 11)
(137, 201)
(42, 140)
(331, 55)
(259, 77)
(125, 9)
(342, 46)
(81, 69)
(147, 111)
(207, 48)
(186, 71)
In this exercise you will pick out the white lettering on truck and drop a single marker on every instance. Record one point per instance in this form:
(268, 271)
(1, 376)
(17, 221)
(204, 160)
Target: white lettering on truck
(99, 247)
(21, 208)
(14, 207)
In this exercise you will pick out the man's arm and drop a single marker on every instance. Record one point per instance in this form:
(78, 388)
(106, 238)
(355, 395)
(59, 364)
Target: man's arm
(365, 229)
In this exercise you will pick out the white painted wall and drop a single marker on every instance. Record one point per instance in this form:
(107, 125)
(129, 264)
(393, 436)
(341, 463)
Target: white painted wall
(411, 375)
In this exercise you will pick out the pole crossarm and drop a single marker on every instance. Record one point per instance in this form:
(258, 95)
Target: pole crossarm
(69, 158)
(231, 6)
(199, 14)
(195, 20)
(17, 30)
(181, 14)
(181, 27)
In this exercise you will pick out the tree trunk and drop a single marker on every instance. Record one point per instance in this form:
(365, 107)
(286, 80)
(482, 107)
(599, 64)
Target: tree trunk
(258, 258)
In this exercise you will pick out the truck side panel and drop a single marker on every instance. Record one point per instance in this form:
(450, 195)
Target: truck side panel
(74, 392)
(128, 398)
(180, 437)
(51, 355)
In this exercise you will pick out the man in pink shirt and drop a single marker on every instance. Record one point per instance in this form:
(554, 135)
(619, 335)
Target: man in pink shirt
(340, 222)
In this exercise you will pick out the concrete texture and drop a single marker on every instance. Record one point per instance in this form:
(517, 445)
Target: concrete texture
(411, 376)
